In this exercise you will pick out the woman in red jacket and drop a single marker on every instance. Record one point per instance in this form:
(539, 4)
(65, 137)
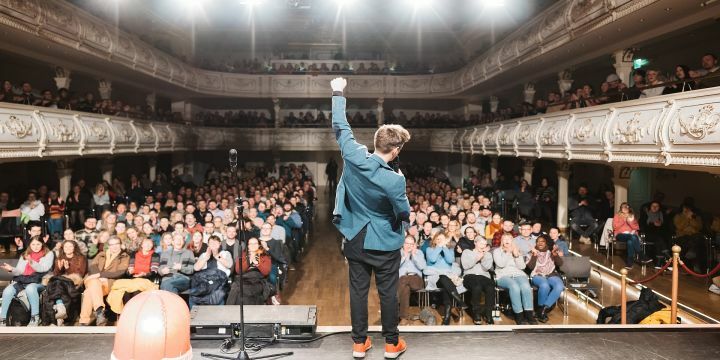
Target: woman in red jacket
(625, 228)
(256, 266)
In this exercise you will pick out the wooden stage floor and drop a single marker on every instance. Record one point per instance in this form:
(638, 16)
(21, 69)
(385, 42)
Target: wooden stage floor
(547, 344)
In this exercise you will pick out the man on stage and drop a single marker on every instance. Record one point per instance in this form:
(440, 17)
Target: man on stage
(370, 208)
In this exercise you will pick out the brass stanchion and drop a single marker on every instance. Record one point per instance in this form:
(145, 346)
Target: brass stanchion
(675, 272)
(623, 296)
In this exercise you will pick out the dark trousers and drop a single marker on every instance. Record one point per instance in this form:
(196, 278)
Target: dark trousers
(479, 285)
(386, 265)
(408, 285)
(584, 228)
(446, 287)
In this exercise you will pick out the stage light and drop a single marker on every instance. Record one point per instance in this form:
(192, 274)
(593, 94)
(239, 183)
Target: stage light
(194, 5)
(494, 3)
(421, 3)
(251, 3)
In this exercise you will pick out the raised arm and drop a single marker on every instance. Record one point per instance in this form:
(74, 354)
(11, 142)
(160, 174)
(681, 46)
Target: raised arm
(350, 149)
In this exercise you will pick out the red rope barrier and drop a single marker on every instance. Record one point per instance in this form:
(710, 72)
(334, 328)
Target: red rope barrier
(651, 278)
(711, 273)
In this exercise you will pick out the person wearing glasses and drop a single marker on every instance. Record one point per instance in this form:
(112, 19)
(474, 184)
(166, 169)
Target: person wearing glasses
(105, 268)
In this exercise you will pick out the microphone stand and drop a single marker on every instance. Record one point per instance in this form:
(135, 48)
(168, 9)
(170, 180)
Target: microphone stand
(242, 353)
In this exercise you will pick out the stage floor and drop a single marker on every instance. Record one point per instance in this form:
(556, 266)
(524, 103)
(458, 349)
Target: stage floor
(700, 343)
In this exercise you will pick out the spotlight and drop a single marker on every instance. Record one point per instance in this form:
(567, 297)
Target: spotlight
(251, 3)
(421, 3)
(494, 3)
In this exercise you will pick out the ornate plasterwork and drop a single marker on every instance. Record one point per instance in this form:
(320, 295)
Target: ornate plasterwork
(583, 132)
(700, 125)
(16, 127)
(631, 132)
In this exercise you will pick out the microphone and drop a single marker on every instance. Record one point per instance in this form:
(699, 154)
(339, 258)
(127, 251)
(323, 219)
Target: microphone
(233, 158)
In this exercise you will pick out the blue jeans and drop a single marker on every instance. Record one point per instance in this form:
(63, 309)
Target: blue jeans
(55, 226)
(33, 294)
(633, 246)
(549, 289)
(175, 283)
(521, 295)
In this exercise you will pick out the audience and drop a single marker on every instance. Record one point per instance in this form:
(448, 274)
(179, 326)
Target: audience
(543, 263)
(65, 100)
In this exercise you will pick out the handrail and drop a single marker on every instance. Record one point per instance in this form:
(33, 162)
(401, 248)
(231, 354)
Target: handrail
(624, 92)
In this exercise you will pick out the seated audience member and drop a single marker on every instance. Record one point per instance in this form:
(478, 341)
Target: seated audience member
(275, 248)
(544, 263)
(142, 268)
(494, 226)
(625, 228)
(212, 269)
(510, 274)
(27, 275)
(682, 73)
(69, 235)
(165, 243)
(56, 209)
(176, 266)
(256, 265)
(557, 240)
(231, 243)
(525, 198)
(88, 234)
(34, 228)
(453, 234)
(425, 236)
(506, 228)
(546, 197)
(412, 264)
(471, 221)
(583, 220)
(33, 208)
(443, 271)
(477, 263)
(525, 242)
(688, 225)
(197, 246)
(656, 232)
(64, 288)
(466, 242)
(106, 267)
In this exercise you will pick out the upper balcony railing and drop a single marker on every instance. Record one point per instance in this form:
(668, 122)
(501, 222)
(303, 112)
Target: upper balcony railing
(680, 130)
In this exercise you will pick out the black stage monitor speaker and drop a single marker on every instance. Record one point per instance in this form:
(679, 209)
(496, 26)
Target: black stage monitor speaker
(261, 321)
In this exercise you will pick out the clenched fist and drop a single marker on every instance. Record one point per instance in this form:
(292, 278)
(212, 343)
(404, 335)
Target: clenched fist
(338, 84)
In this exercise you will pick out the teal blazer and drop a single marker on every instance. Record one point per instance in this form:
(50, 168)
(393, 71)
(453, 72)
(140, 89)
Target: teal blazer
(369, 191)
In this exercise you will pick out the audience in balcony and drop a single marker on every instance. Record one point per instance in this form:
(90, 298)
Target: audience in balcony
(65, 100)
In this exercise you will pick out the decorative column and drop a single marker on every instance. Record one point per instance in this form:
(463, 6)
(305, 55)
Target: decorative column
(276, 111)
(623, 64)
(150, 100)
(107, 168)
(494, 104)
(152, 168)
(563, 174)
(621, 180)
(528, 167)
(62, 78)
(565, 81)
(380, 114)
(466, 112)
(493, 168)
(529, 92)
(105, 89)
(64, 172)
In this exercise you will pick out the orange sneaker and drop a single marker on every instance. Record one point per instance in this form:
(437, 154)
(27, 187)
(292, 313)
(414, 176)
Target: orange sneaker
(394, 351)
(359, 350)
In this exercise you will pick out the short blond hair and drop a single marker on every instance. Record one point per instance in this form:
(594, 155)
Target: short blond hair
(388, 137)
